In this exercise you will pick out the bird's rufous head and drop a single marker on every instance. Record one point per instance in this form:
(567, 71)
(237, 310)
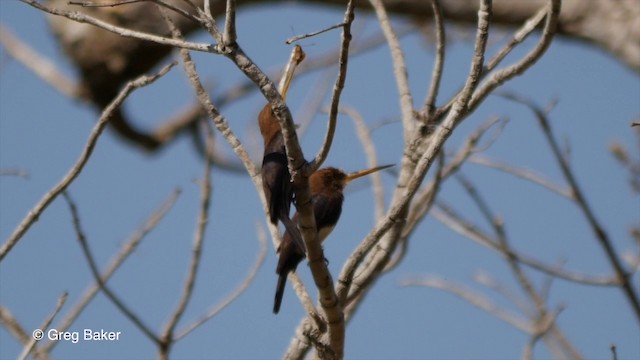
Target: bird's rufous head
(267, 120)
(334, 179)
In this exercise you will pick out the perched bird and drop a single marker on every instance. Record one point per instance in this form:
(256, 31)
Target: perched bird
(327, 187)
(276, 180)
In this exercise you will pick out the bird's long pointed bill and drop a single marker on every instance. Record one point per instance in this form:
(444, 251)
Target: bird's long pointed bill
(296, 58)
(361, 173)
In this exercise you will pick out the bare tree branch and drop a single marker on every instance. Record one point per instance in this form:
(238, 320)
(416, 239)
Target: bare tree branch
(128, 313)
(203, 219)
(454, 221)
(314, 33)
(262, 254)
(45, 325)
(125, 250)
(438, 64)
(399, 68)
(522, 173)
(13, 326)
(500, 76)
(14, 172)
(83, 18)
(230, 35)
(473, 298)
(343, 60)
(37, 63)
(71, 175)
(603, 239)
(364, 135)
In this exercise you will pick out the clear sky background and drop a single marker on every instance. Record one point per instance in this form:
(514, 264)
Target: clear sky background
(43, 133)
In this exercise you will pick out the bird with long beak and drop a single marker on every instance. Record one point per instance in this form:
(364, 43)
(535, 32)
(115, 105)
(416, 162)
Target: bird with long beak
(327, 186)
(276, 180)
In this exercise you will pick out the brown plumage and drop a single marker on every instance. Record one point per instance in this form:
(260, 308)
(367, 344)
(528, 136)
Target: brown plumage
(327, 186)
(276, 180)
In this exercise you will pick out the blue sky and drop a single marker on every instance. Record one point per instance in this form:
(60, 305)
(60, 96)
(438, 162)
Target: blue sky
(43, 132)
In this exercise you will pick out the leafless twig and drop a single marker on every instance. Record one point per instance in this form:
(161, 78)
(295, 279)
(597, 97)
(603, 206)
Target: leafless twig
(262, 254)
(291, 40)
(37, 63)
(343, 60)
(474, 298)
(203, 220)
(522, 173)
(83, 18)
(104, 3)
(71, 175)
(500, 76)
(14, 172)
(438, 64)
(230, 35)
(399, 68)
(125, 250)
(445, 214)
(364, 135)
(45, 325)
(603, 239)
(13, 326)
(135, 319)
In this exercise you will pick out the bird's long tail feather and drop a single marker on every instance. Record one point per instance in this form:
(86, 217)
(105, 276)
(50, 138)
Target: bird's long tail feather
(282, 281)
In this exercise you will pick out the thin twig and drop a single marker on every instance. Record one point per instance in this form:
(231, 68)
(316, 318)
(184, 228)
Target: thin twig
(484, 19)
(219, 121)
(383, 252)
(84, 18)
(364, 135)
(485, 279)
(541, 328)
(600, 234)
(399, 68)
(524, 63)
(262, 254)
(230, 35)
(203, 220)
(291, 40)
(13, 326)
(82, 239)
(311, 64)
(455, 222)
(15, 172)
(37, 63)
(208, 22)
(104, 3)
(473, 298)
(438, 64)
(522, 173)
(71, 175)
(518, 37)
(207, 8)
(427, 195)
(307, 301)
(171, 6)
(125, 250)
(343, 60)
(410, 179)
(501, 76)
(43, 328)
(313, 102)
